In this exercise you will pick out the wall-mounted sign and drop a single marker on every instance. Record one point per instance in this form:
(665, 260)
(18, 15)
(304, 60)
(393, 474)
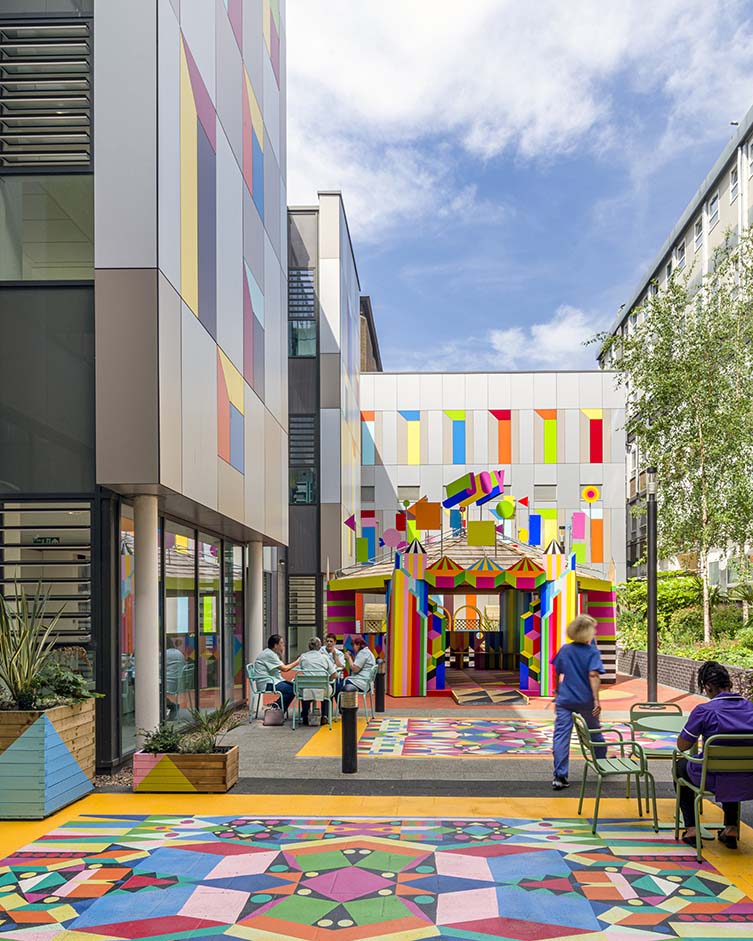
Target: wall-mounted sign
(46, 540)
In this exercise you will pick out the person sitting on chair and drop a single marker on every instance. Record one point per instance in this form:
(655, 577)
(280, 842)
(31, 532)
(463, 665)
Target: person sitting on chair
(724, 712)
(315, 662)
(269, 668)
(360, 666)
(337, 658)
(174, 663)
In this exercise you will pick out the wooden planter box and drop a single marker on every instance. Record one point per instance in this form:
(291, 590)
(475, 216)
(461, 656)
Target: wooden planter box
(174, 773)
(46, 759)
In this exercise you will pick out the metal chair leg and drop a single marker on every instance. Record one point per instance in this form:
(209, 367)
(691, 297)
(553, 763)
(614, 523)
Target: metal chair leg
(698, 803)
(677, 813)
(638, 794)
(582, 789)
(653, 802)
(596, 805)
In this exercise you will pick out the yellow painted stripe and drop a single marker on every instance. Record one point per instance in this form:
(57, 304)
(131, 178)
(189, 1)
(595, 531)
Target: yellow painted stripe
(594, 584)
(326, 744)
(592, 413)
(256, 117)
(189, 191)
(233, 381)
(414, 442)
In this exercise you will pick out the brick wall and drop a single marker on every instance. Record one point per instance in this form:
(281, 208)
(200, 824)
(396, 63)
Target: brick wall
(670, 671)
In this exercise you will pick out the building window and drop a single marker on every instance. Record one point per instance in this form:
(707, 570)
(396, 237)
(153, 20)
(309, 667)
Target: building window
(750, 157)
(698, 233)
(179, 586)
(545, 493)
(409, 493)
(302, 325)
(713, 210)
(653, 289)
(733, 184)
(668, 269)
(680, 256)
(302, 620)
(368, 494)
(303, 458)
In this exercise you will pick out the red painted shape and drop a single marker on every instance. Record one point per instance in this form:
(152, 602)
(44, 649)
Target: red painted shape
(597, 440)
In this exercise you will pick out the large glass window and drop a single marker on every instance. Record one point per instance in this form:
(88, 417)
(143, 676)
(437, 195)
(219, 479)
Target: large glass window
(180, 620)
(301, 312)
(127, 645)
(232, 641)
(46, 390)
(47, 228)
(210, 659)
(302, 338)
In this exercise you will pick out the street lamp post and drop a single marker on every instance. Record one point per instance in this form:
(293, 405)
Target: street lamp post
(652, 640)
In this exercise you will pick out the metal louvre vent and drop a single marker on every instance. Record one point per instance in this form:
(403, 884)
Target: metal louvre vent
(302, 599)
(302, 440)
(301, 296)
(45, 94)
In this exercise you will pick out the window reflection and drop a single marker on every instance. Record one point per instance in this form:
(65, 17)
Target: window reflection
(180, 621)
(210, 661)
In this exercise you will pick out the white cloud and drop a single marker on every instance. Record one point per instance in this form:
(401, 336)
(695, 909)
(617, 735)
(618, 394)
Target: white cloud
(385, 95)
(557, 343)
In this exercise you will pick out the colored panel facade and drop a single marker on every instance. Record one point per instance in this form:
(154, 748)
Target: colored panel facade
(211, 133)
(553, 435)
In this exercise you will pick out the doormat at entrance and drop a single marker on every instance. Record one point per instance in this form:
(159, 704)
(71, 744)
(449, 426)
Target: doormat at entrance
(489, 697)
(443, 737)
(152, 878)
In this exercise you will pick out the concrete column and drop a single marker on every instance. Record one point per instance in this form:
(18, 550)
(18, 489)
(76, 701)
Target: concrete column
(255, 602)
(146, 612)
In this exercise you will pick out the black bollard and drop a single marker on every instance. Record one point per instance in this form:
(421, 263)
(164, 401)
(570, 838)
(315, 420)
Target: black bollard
(379, 684)
(349, 713)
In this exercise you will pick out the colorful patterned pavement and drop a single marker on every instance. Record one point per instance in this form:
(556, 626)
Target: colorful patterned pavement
(447, 737)
(158, 876)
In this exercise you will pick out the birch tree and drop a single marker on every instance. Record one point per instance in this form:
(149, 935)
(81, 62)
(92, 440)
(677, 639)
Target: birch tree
(687, 368)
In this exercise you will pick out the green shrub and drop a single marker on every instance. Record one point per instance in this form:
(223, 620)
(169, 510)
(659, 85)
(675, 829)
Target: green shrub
(727, 620)
(165, 739)
(57, 681)
(685, 627)
(745, 638)
(631, 630)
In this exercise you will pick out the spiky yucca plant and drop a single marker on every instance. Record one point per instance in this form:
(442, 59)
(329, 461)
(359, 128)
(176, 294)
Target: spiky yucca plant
(25, 643)
(206, 728)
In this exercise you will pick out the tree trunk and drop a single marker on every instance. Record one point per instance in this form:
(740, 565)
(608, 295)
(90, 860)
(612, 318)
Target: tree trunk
(746, 611)
(704, 573)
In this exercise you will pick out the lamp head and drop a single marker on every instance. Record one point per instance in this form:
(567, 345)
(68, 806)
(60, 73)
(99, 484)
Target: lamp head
(651, 481)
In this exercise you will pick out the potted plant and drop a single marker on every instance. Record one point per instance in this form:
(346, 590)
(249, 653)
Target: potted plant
(190, 757)
(46, 715)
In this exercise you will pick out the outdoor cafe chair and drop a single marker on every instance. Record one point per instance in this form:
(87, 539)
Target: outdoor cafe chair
(368, 692)
(257, 695)
(722, 754)
(652, 710)
(320, 682)
(630, 762)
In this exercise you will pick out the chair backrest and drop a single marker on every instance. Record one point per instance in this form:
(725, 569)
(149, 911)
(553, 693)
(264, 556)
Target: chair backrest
(250, 672)
(723, 754)
(584, 738)
(318, 681)
(187, 678)
(647, 710)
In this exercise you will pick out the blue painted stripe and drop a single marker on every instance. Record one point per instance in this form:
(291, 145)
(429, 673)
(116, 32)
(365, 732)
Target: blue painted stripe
(458, 442)
(367, 445)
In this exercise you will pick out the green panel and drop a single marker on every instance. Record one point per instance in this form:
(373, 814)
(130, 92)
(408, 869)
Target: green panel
(550, 441)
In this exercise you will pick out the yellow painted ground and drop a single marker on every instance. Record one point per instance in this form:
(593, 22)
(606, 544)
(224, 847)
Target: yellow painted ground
(326, 743)
(737, 866)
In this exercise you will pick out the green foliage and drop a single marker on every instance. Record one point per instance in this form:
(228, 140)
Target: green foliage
(631, 631)
(26, 644)
(63, 684)
(165, 739)
(674, 590)
(202, 734)
(686, 366)
(685, 627)
(727, 620)
(206, 728)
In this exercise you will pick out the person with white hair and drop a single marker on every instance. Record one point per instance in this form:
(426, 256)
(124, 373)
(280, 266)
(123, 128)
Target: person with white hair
(315, 662)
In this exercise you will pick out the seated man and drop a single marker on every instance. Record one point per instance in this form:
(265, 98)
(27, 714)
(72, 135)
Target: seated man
(315, 662)
(269, 668)
(360, 666)
(724, 712)
(337, 658)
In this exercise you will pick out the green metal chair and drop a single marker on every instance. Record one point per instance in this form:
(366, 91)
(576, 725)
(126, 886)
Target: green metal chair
(320, 682)
(368, 692)
(649, 710)
(257, 695)
(630, 762)
(722, 754)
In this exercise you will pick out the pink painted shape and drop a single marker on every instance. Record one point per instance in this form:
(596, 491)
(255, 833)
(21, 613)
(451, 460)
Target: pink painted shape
(246, 864)
(485, 482)
(473, 905)
(235, 15)
(465, 867)
(213, 904)
(143, 765)
(204, 107)
(579, 525)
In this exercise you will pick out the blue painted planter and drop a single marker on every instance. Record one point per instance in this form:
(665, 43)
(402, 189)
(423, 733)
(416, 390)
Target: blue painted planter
(46, 760)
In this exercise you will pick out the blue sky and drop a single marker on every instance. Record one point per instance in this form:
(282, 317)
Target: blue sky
(508, 176)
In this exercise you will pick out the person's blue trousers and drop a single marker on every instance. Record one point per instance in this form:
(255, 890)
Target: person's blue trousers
(563, 730)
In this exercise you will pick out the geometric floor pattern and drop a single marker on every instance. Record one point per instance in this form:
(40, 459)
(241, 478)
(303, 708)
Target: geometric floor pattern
(100, 878)
(444, 737)
(491, 696)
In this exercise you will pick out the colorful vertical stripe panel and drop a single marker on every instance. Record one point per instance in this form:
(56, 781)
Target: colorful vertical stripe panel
(368, 450)
(548, 417)
(595, 418)
(504, 434)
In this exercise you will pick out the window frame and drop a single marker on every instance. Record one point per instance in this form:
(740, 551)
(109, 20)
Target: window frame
(680, 255)
(713, 216)
(698, 233)
(734, 184)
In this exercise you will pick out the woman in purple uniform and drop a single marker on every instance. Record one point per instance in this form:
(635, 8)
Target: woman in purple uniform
(724, 712)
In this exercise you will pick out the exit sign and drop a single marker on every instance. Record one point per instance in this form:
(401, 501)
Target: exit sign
(46, 540)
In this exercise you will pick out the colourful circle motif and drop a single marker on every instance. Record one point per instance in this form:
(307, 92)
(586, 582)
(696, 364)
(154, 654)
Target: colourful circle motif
(590, 494)
(506, 509)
